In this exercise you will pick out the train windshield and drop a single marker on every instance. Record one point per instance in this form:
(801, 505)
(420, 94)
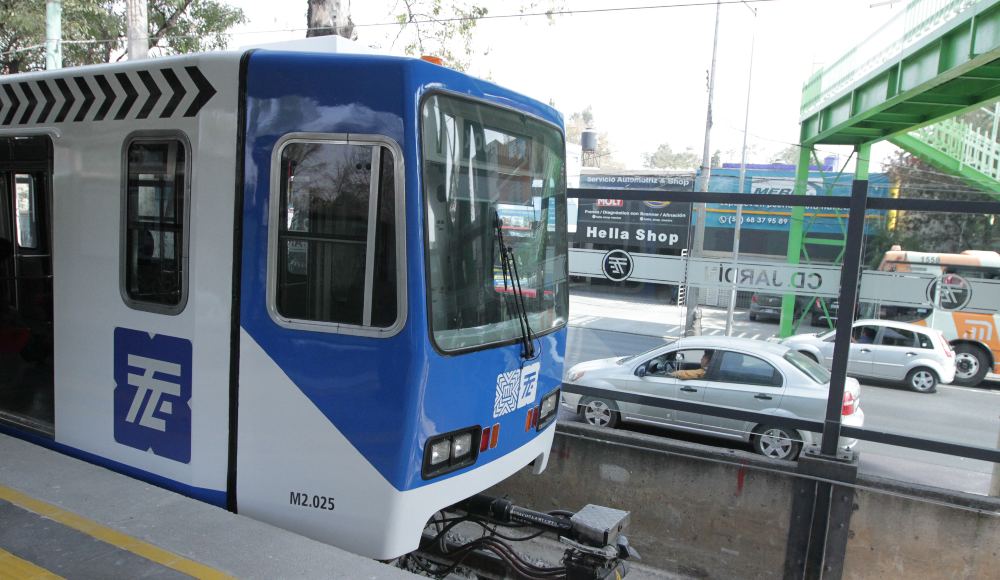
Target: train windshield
(492, 177)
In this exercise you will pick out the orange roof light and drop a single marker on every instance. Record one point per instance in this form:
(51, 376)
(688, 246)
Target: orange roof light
(432, 59)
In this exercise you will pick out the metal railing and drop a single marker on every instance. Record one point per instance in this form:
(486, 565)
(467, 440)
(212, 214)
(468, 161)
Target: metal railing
(830, 427)
(906, 28)
(973, 146)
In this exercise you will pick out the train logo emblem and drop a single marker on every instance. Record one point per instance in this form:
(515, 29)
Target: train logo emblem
(152, 399)
(949, 292)
(617, 265)
(516, 389)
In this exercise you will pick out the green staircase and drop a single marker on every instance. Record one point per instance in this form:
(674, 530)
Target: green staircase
(963, 148)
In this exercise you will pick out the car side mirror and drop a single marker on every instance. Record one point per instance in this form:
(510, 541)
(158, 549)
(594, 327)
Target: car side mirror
(641, 371)
(679, 356)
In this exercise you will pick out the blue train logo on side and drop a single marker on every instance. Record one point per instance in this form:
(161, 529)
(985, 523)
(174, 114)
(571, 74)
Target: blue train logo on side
(153, 393)
(516, 389)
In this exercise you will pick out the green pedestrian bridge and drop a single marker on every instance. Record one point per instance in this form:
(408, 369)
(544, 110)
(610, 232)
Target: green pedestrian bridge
(914, 82)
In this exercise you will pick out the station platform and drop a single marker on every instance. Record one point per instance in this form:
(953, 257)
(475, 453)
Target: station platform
(64, 518)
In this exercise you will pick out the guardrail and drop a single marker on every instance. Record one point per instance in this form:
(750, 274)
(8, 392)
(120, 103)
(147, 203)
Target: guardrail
(915, 22)
(857, 203)
(813, 426)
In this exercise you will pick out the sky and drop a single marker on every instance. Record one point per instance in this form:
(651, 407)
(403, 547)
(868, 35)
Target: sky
(643, 72)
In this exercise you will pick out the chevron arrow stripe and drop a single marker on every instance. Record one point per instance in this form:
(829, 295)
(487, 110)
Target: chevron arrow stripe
(49, 100)
(109, 97)
(130, 95)
(32, 101)
(88, 98)
(205, 91)
(154, 94)
(137, 95)
(68, 100)
(14, 104)
(177, 87)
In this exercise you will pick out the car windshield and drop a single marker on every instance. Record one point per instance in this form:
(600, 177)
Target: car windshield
(492, 176)
(808, 366)
(630, 357)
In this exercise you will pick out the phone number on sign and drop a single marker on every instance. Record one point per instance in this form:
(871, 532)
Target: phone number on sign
(752, 219)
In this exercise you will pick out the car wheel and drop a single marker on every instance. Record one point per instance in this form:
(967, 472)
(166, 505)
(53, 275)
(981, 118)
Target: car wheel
(600, 413)
(971, 365)
(809, 355)
(922, 380)
(777, 442)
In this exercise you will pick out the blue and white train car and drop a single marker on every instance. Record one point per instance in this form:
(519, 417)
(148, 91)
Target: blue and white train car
(283, 281)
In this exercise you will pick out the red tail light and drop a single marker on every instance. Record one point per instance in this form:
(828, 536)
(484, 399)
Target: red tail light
(849, 404)
(484, 443)
(495, 437)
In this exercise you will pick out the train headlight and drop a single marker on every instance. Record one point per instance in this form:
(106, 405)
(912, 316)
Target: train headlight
(440, 452)
(450, 451)
(461, 445)
(547, 410)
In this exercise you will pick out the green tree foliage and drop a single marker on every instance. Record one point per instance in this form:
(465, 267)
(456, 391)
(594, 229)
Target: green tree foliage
(789, 155)
(932, 232)
(666, 158)
(437, 28)
(94, 30)
(446, 28)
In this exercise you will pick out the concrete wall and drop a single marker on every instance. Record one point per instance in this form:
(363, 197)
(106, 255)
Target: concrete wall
(716, 513)
(691, 513)
(893, 536)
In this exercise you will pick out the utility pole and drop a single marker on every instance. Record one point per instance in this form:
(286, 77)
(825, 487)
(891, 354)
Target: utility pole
(698, 244)
(53, 34)
(138, 29)
(743, 175)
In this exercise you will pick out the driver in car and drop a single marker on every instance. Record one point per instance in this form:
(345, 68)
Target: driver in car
(697, 373)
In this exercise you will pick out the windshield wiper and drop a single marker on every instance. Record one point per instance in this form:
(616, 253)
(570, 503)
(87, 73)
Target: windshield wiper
(508, 266)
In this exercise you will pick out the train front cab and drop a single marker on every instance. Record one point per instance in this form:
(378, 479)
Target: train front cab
(375, 318)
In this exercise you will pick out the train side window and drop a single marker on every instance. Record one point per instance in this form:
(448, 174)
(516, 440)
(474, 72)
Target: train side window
(334, 245)
(27, 211)
(154, 239)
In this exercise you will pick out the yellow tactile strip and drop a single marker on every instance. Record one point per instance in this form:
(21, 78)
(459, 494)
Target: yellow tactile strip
(105, 534)
(14, 568)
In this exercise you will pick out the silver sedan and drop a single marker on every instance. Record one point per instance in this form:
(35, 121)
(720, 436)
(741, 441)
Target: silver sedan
(916, 356)
(738, 373)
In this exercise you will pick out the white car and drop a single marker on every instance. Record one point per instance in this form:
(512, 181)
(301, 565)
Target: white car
(916, 356)
(745, 374)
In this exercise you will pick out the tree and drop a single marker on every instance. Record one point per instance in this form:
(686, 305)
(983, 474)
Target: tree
(446, 29)
(94, 30)
(788, 156)
(665, 158)
(427, 28)
(931, 232)
(326, 17)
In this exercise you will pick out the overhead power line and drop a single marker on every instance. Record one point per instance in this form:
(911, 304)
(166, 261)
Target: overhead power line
(547, 13)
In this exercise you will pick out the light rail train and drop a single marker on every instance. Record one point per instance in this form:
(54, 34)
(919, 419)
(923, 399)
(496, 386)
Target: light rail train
(280, 281)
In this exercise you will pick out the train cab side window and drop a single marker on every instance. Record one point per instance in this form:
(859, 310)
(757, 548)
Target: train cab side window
(336, 235)
(27, 211)
(154, 257)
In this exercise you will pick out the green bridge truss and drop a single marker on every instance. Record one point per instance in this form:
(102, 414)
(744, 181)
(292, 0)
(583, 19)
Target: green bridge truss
(906, 83)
